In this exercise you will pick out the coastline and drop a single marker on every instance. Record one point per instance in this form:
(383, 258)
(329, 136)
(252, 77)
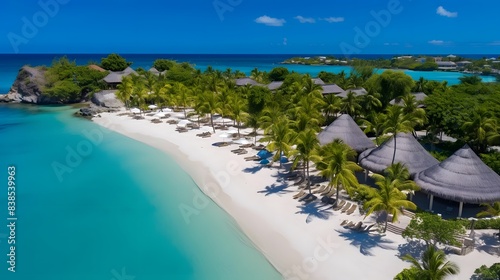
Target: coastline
(296, 239)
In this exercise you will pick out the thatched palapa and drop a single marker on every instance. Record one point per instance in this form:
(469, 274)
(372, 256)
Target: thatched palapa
(408, 151)
(462, 177)
(345, 129)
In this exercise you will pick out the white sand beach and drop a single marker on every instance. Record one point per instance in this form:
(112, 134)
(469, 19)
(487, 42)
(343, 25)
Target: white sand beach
(301, 241)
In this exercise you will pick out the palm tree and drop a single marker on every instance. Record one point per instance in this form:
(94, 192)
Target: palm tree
(269, 117)
(350, 104)
(376, 125)
(125, 91)
(280, 138)
(236, 109)
(183, 96)
(480, 129)
(253, 121)
(332, 105)
(434, 265)
(411, 110)
(492, 210)
(335, 162)
(307, 144)
(399, 173)
(396, 122)
(370, 102)
(387, 198)
(208, 104)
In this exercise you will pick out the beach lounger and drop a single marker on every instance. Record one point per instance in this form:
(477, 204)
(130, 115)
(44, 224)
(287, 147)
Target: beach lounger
(299, 181)
(346, 207)
(321, 189)
(308, 198)
(300, 198)
(328, 200)
(350, 224)
(344, 222)
(299, 194)
(252, 158)
(368, 228)
(339, 205)
(352, 209)
(243, 152)
(356, 226)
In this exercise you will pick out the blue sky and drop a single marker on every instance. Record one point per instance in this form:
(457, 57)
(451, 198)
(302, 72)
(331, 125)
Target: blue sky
(250, 26)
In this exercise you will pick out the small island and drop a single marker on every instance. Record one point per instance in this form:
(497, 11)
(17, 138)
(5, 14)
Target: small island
(483, 66)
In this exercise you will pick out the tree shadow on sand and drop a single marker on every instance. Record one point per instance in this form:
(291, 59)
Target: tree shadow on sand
(489, 243)
(414, 248)
(314, 210)
(254, 169)
(276, 189)
(366, 242)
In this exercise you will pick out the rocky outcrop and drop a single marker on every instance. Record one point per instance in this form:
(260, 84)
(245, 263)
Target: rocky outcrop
(27, 87)
(107, 99)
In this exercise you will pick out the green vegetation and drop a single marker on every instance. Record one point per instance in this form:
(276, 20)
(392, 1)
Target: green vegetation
(114, 62)
(482, 66)
(487, 273)
(69, 83)
(432, 266)
(432, 229)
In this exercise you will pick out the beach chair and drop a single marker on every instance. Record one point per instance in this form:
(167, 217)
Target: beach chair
(299, 194)
(242, 152)
(308, 198)
(346, 207)
(350, 224)
(368, 228)
(339, 205)
(344, 222)
(321, 189)
(356, 226)
(352, 209)
(252, 158)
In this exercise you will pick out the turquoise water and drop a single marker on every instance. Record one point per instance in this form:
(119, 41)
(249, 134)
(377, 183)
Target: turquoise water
(245, 63)
(115, 215)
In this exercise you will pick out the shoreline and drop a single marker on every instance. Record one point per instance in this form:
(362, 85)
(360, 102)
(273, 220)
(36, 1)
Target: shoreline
(301, 242)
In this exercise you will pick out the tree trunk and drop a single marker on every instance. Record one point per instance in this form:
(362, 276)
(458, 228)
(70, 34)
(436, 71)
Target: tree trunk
(394, 154)
(308, 182)
(385, 227)
(212, 121)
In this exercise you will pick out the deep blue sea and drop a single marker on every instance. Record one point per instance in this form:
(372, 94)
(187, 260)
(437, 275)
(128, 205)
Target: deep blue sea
(10, 64)
(108, 209)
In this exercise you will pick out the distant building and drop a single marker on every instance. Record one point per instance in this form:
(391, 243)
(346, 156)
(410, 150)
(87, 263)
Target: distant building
(446, 65)
(357, 92)
(274, 85)
(464, 63)
(97, 68)
(331, 89)
(246, 81)
(419, 97)
(113, 79)
(156, 72)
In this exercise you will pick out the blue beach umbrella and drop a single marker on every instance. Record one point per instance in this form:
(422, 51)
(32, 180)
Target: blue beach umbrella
(284, 160)
(264, 161)
(264, 154)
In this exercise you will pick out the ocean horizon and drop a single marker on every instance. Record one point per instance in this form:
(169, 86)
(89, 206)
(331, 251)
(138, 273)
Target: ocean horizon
(11, 63)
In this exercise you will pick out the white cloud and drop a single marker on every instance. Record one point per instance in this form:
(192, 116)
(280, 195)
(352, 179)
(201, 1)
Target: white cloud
(443, 12)
(302, 19)
(269, 21)
(436, 42)
(333, 19)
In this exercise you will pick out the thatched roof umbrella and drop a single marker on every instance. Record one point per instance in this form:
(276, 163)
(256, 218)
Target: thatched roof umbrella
(345, 129)
(408, 151)
(462, 177)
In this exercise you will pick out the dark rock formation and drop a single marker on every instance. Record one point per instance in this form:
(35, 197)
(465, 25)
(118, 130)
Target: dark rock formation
(27, 87)
(107, 99)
